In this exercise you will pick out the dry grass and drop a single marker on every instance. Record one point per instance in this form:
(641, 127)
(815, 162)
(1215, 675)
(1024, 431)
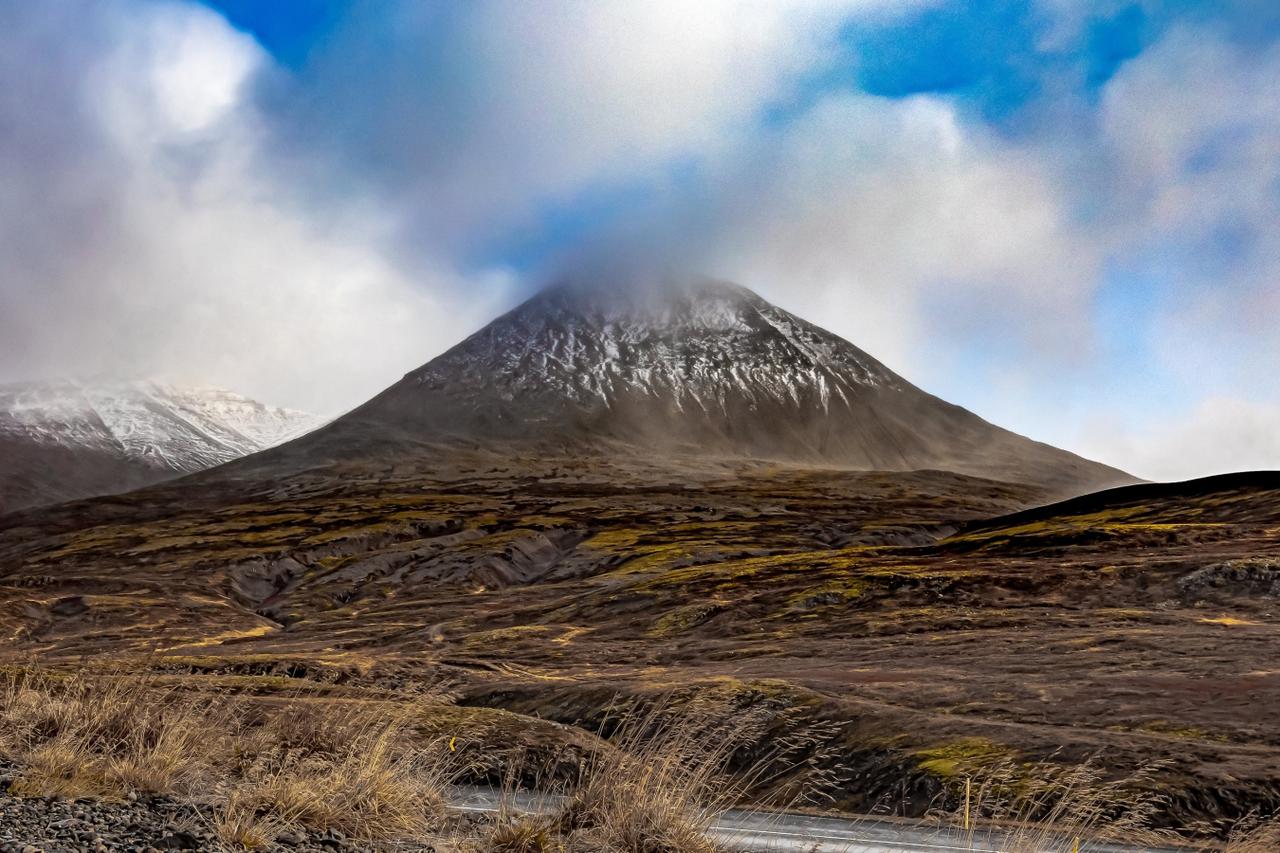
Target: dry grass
(255, 768)
(1050, 808)
(365, 777)
(86, 735)
(663, 787)
(515, 833)
(258, 766)
(658, 791)
(1255, 836)
(240, 824)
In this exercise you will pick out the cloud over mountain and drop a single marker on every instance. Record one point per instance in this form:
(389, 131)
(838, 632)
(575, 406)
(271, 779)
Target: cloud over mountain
(1063, 220)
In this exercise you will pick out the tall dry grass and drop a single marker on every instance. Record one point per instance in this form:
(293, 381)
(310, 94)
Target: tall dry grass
(677, 764)
(1255, 835)
(361, 773)
(254, 768)
(662, 789)
(257, 768)
(1049, 807)
(659, 790)
(83, 735)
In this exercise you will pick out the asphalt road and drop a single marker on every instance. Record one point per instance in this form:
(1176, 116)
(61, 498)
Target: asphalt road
(777, 832)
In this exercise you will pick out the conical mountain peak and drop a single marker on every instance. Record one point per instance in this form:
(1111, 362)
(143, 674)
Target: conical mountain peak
(708, 369)
(700, 306)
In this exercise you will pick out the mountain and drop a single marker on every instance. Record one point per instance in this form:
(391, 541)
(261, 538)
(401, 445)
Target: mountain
(711, 371)
(64, 439)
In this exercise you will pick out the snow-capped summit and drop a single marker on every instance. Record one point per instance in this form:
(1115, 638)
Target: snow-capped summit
(65, 439)
(693, 346)
(709, 369)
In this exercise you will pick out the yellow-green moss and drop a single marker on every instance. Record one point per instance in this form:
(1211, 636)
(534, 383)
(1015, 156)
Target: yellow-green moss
(613, 540)
(962, 757)
(683, 618)
(837, 591)
(495, 638)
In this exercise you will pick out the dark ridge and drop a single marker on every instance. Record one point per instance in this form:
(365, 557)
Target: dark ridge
(1185, 490)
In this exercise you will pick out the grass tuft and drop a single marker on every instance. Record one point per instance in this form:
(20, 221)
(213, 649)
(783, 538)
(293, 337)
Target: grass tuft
(1051, 807)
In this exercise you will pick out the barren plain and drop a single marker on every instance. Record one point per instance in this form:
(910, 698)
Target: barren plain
(926, 625)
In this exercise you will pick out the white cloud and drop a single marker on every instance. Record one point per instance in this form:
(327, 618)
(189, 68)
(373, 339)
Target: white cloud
(470, 121)
(1195, 125)
(159, 243)
(1218, 435)
(193, 70)
(896, 221)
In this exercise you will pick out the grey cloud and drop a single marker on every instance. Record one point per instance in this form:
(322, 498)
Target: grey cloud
(467, 119)
(145, 234)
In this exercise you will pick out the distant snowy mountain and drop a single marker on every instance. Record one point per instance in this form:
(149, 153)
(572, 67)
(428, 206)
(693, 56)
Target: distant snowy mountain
(67, 439)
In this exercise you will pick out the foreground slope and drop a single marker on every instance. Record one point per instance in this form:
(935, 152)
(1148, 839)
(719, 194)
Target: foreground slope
(710, 370)
(65, 439)
(928, 630)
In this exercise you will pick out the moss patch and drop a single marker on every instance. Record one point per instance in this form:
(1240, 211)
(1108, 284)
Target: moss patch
(833, 592)
(967, 756)
(683, 618)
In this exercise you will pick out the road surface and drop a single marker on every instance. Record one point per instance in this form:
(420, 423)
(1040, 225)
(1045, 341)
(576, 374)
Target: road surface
(778, 832)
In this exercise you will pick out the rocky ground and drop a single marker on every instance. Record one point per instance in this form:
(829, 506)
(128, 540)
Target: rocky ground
(136, 825)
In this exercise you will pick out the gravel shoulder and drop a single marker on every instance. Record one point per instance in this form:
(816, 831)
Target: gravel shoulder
(142, 825)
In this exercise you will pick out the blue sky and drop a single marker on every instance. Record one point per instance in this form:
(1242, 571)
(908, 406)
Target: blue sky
(1058, 213)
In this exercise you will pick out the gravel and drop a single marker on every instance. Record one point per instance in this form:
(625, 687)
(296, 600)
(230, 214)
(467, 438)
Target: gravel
(143, 825)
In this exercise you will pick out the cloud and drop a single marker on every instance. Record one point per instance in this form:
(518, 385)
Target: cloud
(899, 221)
(1195, 124)
(176, 202)
(469, 120)
(1220, 434)
(1188, 139)
(143, 233)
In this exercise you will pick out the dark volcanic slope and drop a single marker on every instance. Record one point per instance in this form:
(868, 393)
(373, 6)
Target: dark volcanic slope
(712, 370)
(32, 474)
(1181, 502)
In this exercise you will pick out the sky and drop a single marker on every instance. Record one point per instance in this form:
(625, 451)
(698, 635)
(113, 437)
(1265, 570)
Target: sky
(1059, 214)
